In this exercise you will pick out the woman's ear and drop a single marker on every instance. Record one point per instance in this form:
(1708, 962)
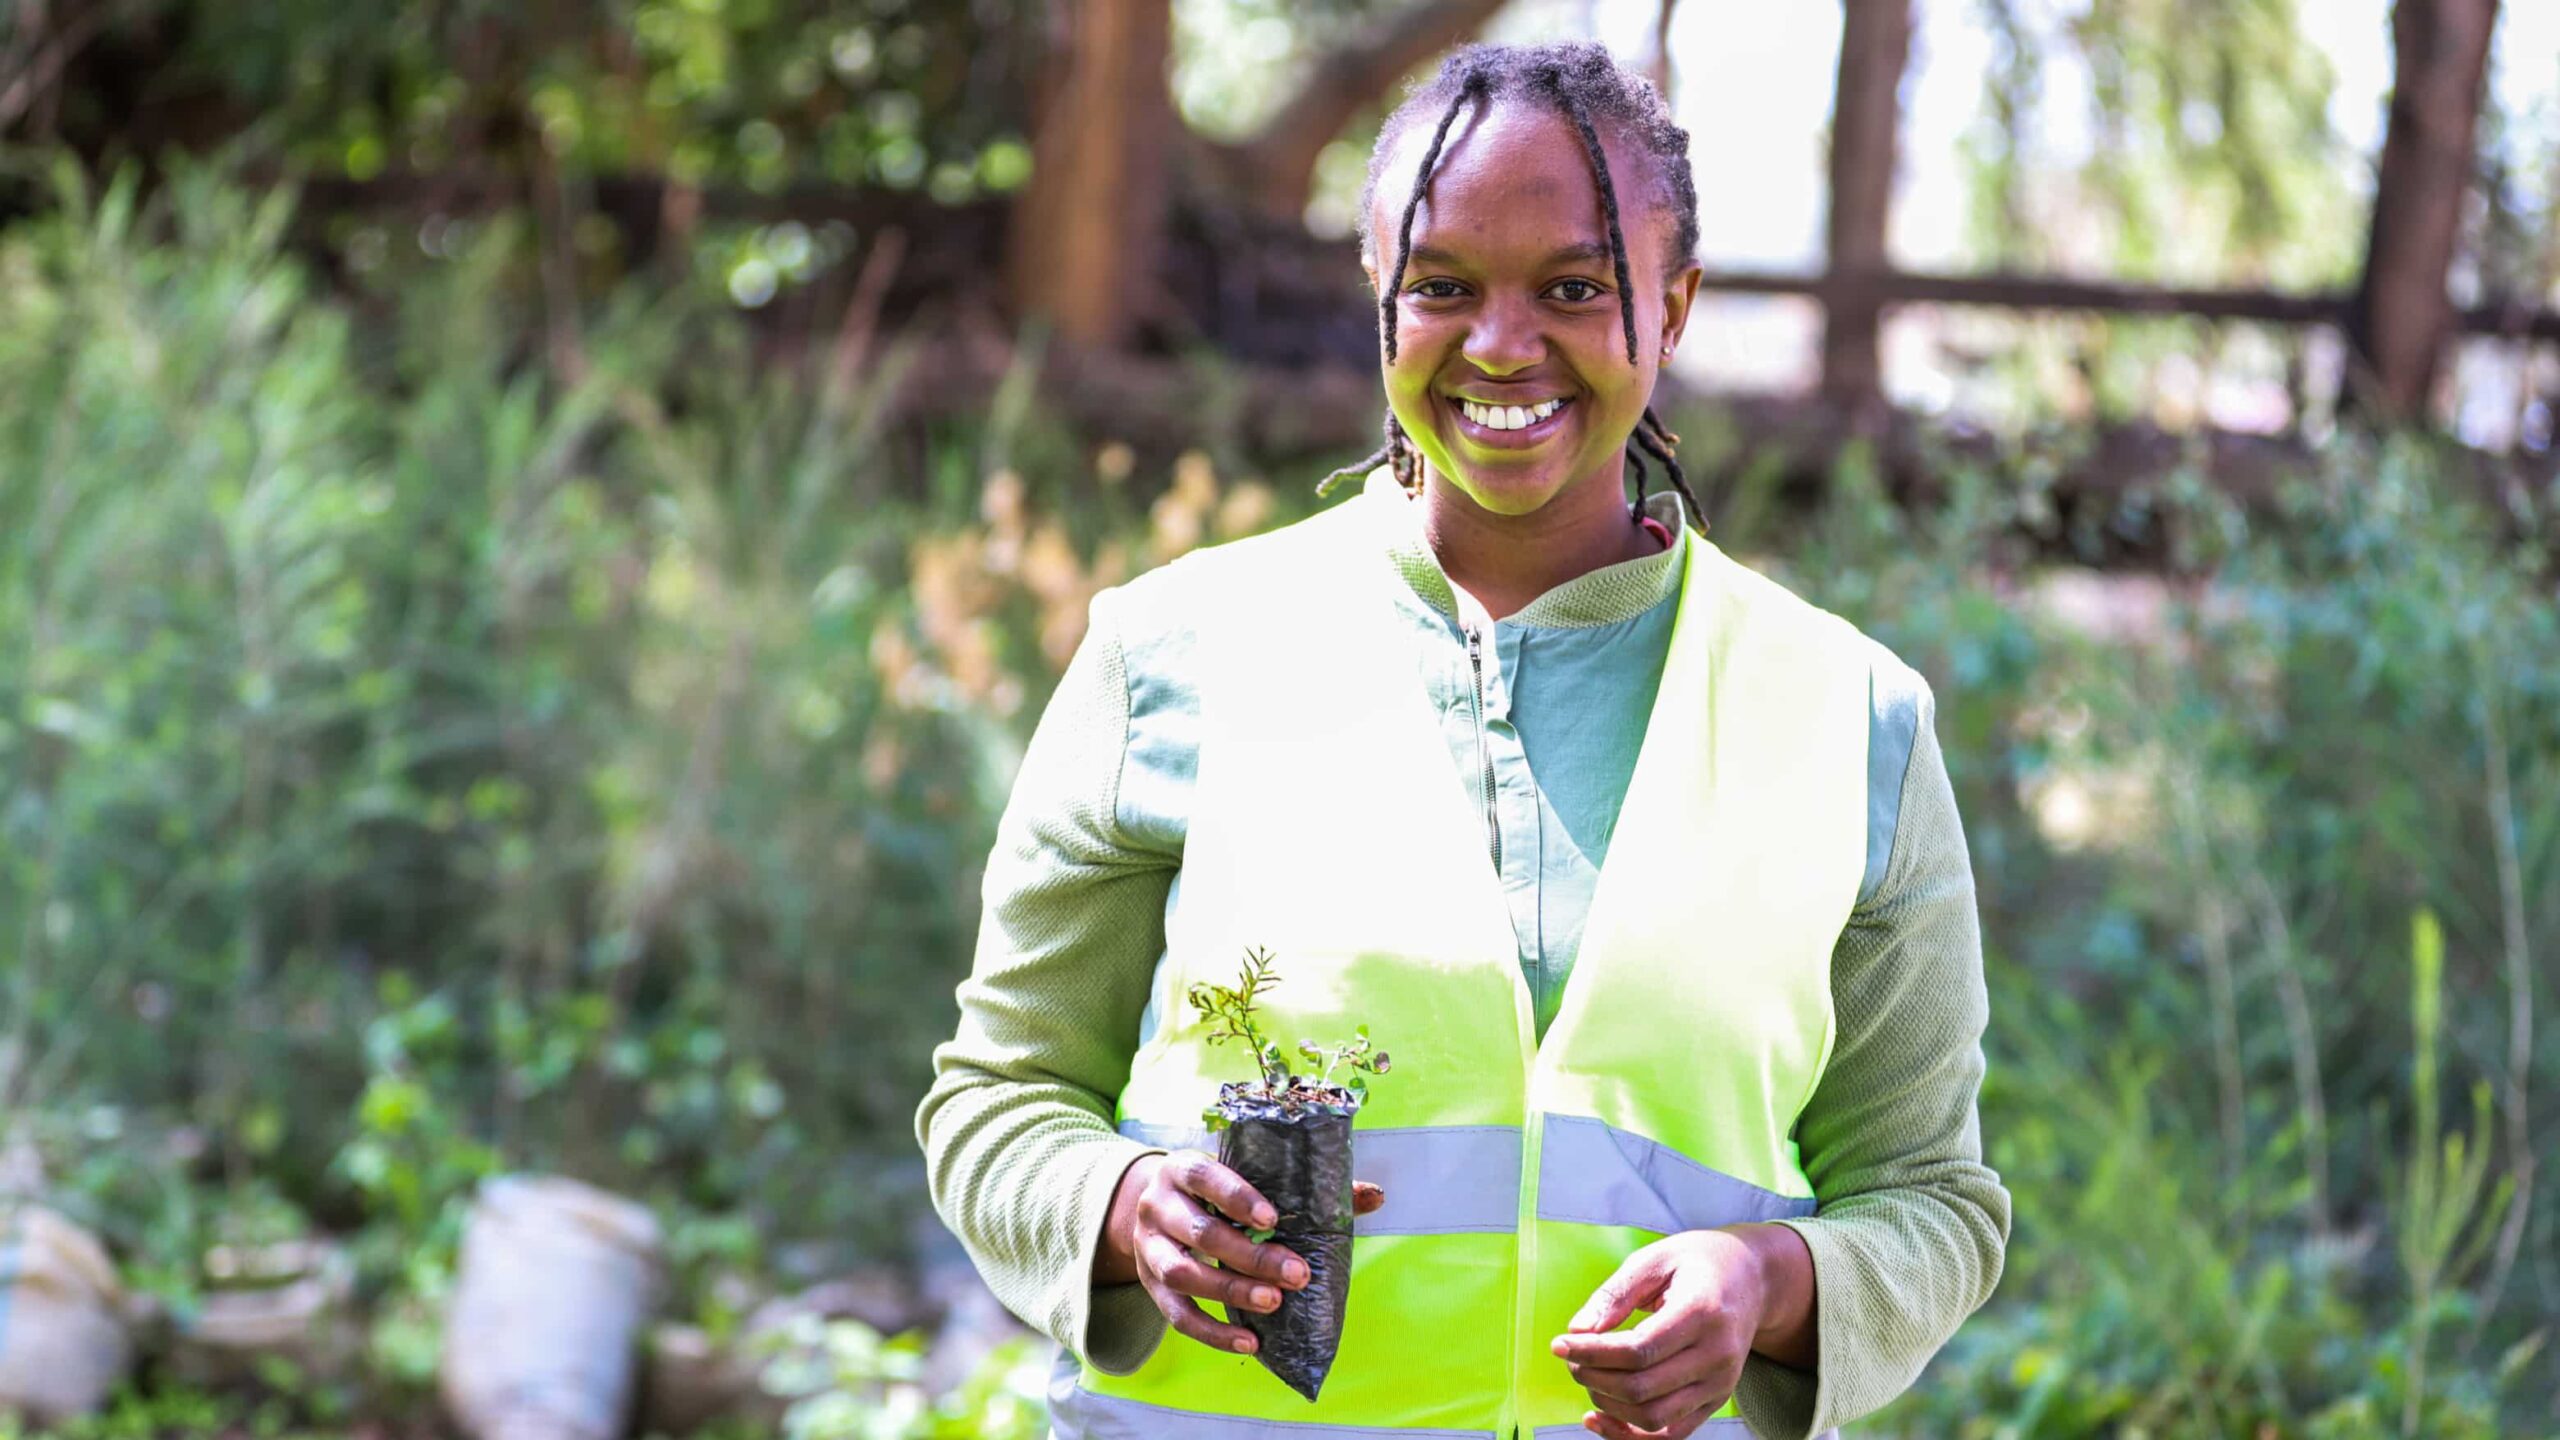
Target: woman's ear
(1677, 297)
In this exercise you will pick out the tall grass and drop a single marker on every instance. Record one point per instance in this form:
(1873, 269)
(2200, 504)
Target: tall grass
(592, 768)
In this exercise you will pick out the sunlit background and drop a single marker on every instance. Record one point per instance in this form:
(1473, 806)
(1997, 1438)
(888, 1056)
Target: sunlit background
(533, 536)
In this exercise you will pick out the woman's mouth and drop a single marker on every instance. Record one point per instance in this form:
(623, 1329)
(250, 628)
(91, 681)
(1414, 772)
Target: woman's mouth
(1509, 427)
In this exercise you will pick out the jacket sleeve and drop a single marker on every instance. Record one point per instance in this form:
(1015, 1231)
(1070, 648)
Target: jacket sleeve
(1911, 1227)
(1020, 1152)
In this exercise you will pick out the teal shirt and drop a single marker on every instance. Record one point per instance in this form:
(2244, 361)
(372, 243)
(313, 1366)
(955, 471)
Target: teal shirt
(1549, 725)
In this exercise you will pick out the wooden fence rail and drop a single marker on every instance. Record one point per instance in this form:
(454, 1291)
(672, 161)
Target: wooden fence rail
(2047, 292)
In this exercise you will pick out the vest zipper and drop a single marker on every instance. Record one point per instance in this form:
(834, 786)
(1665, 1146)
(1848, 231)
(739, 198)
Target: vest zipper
(1484, 751)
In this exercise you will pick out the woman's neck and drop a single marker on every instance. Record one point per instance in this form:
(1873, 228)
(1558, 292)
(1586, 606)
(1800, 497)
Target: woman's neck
(1506, 561)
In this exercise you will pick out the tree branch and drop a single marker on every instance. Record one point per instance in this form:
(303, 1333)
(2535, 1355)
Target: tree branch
(21, 85)
(1275, 170)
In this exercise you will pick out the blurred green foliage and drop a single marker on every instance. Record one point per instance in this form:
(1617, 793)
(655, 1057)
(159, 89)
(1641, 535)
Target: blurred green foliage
(573, 773)
(418, 759)
(897, 93)
(2208, 156)
(175, 1415)
(846, 1381)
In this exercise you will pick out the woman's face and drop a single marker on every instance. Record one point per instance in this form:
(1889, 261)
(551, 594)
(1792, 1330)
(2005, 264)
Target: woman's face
(1509, 307)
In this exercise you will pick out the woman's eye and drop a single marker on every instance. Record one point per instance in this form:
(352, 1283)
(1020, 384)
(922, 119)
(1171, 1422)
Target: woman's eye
(1438, 290)
(1575, 291)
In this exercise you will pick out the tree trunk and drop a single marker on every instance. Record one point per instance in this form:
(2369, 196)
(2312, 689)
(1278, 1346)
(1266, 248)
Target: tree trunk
(1275, 171)
(1657, 61)
(1875, 46)
(2401, 315)
(1087, 228)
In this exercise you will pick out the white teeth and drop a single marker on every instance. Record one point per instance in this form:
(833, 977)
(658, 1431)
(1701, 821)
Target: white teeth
(1509, 417)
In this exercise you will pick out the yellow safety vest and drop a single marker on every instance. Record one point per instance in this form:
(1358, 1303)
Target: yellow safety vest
(1518, 1174)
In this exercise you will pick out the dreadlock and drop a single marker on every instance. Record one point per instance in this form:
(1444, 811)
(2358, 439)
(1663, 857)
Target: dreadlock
(1473, 84)
(1585, 84)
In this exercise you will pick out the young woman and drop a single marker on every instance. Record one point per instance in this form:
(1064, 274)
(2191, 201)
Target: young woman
(1647, 871)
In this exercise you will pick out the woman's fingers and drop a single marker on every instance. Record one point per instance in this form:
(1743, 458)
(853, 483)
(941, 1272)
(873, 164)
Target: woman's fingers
(1610, 1427)
(1198, 1174)
(1189, 1275)
(1162, 1266)
(1688, 1403)
(1194, 1227)
(1231, 1247)
(1180, 1235)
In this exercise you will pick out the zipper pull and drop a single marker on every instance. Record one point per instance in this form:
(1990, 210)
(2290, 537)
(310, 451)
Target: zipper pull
(1484, 752)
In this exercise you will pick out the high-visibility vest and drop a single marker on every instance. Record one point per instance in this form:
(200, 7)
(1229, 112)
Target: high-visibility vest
(1327, 828)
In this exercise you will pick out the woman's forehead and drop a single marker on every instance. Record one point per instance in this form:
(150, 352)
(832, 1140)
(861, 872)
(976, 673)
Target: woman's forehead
(1515, 175)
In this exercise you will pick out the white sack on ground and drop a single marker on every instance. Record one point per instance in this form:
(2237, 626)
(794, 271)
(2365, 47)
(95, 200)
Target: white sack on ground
(63, 1346)
(541, 1338)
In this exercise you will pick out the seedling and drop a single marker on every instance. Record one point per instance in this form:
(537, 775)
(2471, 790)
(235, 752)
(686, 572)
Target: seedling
(1230, 1013)
(1288, 1133)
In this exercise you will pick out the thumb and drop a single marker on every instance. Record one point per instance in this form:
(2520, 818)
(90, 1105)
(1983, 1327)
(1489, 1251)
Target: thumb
(1636, 1285)
(1366, 1197)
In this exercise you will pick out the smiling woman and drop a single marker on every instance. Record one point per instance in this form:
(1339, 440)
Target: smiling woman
(1683, 971)
(1510, 236)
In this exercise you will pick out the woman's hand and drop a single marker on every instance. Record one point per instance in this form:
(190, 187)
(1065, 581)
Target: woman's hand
(1714, 1295)
(1174, 1213)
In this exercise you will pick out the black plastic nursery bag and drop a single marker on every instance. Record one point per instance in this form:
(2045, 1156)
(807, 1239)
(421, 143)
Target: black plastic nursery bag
(1300, 1160)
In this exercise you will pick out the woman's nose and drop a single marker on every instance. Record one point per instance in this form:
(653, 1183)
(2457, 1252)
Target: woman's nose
(1504, 339)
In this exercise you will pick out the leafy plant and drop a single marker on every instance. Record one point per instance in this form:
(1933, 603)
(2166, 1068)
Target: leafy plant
(847, 1381)
(2448, 1205)
(1230, 1012)
(1357, 1054)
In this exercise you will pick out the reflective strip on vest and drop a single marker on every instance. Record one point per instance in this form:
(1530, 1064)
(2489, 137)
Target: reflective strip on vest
(1593, 1173)
(1721, 1428)
(1076, 1413)
(1439, 1179)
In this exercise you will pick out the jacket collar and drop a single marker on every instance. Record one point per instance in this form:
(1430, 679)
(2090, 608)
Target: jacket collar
(1604, 596)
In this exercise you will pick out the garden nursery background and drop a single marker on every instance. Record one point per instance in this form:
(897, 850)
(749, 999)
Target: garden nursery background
(532, 537)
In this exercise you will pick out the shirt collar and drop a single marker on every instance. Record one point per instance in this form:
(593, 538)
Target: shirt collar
(1599, 597)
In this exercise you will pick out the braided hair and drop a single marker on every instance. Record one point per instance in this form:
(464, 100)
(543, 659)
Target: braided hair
(1580, 80)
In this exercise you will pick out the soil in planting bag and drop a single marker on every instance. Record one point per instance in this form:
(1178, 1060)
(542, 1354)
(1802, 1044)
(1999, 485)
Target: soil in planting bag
(1300, 1159)
(63, 1346)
